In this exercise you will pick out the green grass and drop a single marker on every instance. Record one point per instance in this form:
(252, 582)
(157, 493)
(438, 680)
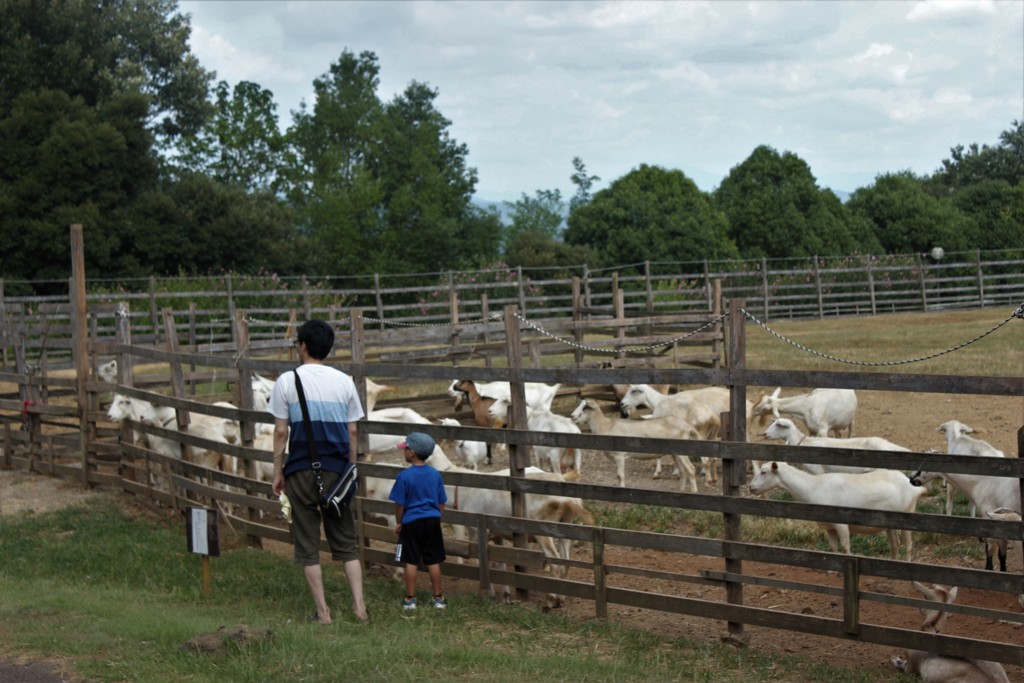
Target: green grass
(113, 593)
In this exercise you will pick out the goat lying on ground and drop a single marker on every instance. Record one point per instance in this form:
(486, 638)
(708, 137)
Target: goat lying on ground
(784, 429)
(823, 410)
(875, 490)
(936, 668)
(588, 412)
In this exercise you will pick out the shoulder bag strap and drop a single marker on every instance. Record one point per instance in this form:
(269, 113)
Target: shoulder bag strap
(311, 442)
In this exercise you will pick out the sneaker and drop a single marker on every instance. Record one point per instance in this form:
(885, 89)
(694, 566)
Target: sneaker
(439, 602)
(408, 603)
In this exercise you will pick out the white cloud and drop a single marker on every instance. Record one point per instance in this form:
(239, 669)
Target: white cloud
(945, 9)
(857, 88)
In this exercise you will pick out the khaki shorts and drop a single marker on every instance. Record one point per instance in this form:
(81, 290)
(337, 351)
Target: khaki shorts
(307, 520)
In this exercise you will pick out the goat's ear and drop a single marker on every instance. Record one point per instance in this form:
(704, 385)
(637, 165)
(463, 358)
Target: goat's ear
(775, 394)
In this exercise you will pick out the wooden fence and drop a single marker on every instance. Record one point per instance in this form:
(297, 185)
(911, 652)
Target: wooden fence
(56, 425)
(205, 308)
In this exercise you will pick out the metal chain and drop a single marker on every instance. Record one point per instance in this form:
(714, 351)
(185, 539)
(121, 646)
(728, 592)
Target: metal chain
(628, 349)
(493, 317)
(1019, 313)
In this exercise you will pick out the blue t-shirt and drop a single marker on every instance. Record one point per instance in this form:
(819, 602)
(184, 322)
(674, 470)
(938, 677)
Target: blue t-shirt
(419, 489)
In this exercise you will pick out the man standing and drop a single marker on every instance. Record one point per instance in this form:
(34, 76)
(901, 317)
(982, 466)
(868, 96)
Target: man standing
(334, 409)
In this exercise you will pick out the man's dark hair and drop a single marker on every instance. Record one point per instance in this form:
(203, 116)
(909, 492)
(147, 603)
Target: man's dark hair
(318, 337)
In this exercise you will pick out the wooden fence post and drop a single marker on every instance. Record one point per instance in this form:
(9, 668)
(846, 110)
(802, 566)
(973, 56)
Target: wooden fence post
(4, 326)
(518, 455)
(154, 319)
(734, 471)
(485, 313)
(229, 282)
(357, 342)
(871, 282)
(80, 342)
(981, 281)
(378, 300)
(817, 288)
(522, 290)
(577, 318)
(920, 280)
(716, 311)
(764, 289)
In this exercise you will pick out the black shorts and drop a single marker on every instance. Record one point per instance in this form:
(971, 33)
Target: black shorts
(421, 542)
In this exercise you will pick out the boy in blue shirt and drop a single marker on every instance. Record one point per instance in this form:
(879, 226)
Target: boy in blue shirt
(419, 499)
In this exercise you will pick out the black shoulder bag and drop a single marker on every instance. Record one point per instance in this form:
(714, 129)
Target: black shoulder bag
(334, 500)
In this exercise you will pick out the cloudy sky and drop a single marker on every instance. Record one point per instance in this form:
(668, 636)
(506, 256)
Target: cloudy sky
(854, 88)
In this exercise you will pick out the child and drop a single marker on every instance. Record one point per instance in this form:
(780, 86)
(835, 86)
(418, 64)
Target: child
(419, 499)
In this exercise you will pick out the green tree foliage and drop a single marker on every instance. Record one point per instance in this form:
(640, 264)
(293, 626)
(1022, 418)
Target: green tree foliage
(907, 219)
(62, 162)
(533, 249)
(377, 185)
(975, 164)
(88, 93)
(242, 144)
(651, 214)
(427, 186)
(997, 211)
(100, 51)
(208, 227)
(542, 214)
(776, 210)
(583, 182)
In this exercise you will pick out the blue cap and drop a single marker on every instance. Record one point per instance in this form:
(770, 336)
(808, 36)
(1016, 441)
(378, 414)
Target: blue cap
(420, 443)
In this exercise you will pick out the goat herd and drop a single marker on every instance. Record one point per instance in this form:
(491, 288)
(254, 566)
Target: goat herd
(686, 415)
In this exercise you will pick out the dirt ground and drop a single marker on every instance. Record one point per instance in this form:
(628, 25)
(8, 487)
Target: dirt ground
(909, 420)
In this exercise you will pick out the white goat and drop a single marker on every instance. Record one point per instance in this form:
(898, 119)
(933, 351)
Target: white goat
(936, 668)
(823, 410)
(385, 443)
(876, 490)
(470, 453)
(540, 507)
(543, 420)
(538, 397)
(588, 412)
(986, 494)
(1005, 515)
(701, 408)
(784, 428)
(958, 443)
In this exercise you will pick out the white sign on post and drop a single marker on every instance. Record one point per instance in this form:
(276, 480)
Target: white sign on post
(201, 526)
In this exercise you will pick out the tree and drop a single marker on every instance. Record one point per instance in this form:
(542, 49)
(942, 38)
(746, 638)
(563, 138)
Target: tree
(974, 164)
(427, 184)
(378, 185)
(776, 210)
(997, 210)
(242, 144)
(583, 183)
(62, 162)
(331, 186)
(542, 214)
(88, 92)
(908, 220)
(533, 249)
(651, 214)
(100, 51)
